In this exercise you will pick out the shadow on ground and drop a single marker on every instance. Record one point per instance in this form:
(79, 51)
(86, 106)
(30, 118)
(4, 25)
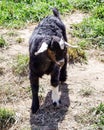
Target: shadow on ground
(48, 117)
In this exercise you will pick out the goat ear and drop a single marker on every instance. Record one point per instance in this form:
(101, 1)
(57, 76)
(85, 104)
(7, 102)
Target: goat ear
(43, 48)
(71, 46)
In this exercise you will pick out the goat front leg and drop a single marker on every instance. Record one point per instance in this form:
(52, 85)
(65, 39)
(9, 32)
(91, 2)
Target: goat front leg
(63, 72)
(34, 81)
(55, 85)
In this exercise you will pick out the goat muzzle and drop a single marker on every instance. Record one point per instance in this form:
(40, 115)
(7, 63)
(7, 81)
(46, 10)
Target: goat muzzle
(60, 63)
(52, 57)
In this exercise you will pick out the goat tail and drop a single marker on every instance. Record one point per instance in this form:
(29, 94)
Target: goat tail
(56, 12)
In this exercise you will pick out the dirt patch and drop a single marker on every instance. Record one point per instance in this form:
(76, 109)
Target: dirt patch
(83, 90)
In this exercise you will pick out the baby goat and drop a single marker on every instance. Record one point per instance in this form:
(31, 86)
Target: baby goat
(48, 50)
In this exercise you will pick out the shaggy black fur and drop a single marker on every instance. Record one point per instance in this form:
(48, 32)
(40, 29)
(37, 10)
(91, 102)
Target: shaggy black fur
(50, 30)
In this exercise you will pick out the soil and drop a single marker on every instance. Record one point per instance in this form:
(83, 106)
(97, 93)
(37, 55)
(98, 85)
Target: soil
(83, 90)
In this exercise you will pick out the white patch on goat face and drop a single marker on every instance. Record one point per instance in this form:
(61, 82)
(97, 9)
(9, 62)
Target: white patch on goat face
(56, 95)
(43, 48)
(62, 44)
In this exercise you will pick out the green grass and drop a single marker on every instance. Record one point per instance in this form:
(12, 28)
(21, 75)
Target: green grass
(100, 108)
(16, 13)
(12, 33)
(7, 118)
(98, 11)
(77, 55)
(88, 5)
(20, 66)
(92, 29)
(84, 44)
(99, 116)
(86, 92)
(19, 40)
(84, 5)
(93, 119)
(2, 42)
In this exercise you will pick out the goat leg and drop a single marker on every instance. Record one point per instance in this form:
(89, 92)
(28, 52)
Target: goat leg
(34, 81)
(55, 85)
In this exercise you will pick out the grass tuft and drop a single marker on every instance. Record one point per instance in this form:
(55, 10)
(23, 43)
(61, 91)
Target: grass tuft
(84, 5)
(2, 42)
(12, 34)
(7, 118)
(77, 55)
(86, 92)
(19, 40)
(1, 71)
(93, 119)
(99, 116)
(21, 65)
(98, 11)
(100, 109)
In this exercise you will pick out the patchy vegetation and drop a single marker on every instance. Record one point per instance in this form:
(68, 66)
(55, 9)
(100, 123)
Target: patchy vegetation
(19, 40)
(92, 29)
(20, 67)
(2, 42)
(100, 116)
(7, 118)
(95, 117)
(12, 33)
(77, 55)
(84, 5)
(86, 92)
(16, 13)
(86, 82)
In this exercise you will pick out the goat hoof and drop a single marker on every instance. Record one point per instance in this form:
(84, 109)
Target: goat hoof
(34, 110)
(56, 104)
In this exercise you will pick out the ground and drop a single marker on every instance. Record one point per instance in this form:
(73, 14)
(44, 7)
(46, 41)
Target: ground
(83, 90)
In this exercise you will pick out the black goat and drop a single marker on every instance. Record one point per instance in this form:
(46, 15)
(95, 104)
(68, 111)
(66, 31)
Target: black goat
(48, 49)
